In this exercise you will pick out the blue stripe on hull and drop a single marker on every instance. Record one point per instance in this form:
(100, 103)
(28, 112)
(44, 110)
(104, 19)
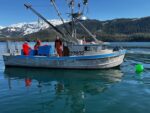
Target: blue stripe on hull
(121, 52)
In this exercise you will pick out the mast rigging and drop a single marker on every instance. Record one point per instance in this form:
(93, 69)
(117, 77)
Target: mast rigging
(39, 15)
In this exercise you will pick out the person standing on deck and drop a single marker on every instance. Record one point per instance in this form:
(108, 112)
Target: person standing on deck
(58, 46)
(26, 48)
(36, 47)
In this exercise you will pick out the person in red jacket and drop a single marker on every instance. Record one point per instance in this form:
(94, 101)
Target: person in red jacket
(26, 48)
(28, 82)
(58, 46)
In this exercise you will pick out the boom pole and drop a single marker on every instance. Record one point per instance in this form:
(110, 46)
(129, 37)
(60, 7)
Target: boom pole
(93, 36)
(59, 14)
(39, 15)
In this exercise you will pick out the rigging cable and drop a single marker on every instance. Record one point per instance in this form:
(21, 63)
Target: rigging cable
(38, 14)
(59, 14)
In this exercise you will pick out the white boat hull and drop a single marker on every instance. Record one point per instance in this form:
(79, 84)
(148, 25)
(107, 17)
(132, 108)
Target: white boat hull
(72, 62)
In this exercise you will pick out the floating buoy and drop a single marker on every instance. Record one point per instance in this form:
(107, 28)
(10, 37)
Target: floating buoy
(139, 68)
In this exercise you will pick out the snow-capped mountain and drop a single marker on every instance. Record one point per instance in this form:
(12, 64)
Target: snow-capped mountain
(1, 27)
(21, 29)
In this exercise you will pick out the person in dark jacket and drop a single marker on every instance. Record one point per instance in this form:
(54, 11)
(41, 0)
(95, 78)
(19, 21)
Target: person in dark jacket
(36, 47)
(58, 46)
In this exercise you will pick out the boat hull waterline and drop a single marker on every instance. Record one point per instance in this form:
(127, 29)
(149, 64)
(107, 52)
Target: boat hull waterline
(72, 62)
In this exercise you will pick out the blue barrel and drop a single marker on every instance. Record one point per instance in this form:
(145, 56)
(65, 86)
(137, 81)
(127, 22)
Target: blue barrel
(46, 50)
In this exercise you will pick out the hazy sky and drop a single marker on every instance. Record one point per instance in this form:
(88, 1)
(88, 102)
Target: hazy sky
(13, 11)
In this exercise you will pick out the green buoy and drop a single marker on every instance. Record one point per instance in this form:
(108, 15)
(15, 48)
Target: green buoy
(139, 68)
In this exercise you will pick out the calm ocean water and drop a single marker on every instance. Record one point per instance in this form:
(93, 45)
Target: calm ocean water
(122, 90)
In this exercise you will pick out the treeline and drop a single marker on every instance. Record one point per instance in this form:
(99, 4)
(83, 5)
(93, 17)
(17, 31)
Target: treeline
(127, 26)
(138, 37)
(4, 39)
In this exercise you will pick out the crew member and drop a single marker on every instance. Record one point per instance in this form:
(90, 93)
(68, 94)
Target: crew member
(26, 48)
(36, 47)
(58, 46)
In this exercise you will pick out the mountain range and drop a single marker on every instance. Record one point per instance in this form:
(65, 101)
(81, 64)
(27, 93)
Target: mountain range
(22, 29)
(123, 29)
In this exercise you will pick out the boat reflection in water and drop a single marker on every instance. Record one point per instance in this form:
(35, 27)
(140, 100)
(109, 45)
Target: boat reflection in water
(70, 87)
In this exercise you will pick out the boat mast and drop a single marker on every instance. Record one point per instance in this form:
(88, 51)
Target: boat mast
(59, 14)
(72, 38)
(72, 3)
(64, 25)
(76, 19)
(85, 2)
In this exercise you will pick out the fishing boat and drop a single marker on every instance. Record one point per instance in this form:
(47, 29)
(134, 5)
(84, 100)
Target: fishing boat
(80, 56)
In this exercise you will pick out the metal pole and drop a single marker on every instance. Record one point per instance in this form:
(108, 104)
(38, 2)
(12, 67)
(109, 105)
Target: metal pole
(8, 47)
(59, 14)
(93, 36)
(38, 14)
